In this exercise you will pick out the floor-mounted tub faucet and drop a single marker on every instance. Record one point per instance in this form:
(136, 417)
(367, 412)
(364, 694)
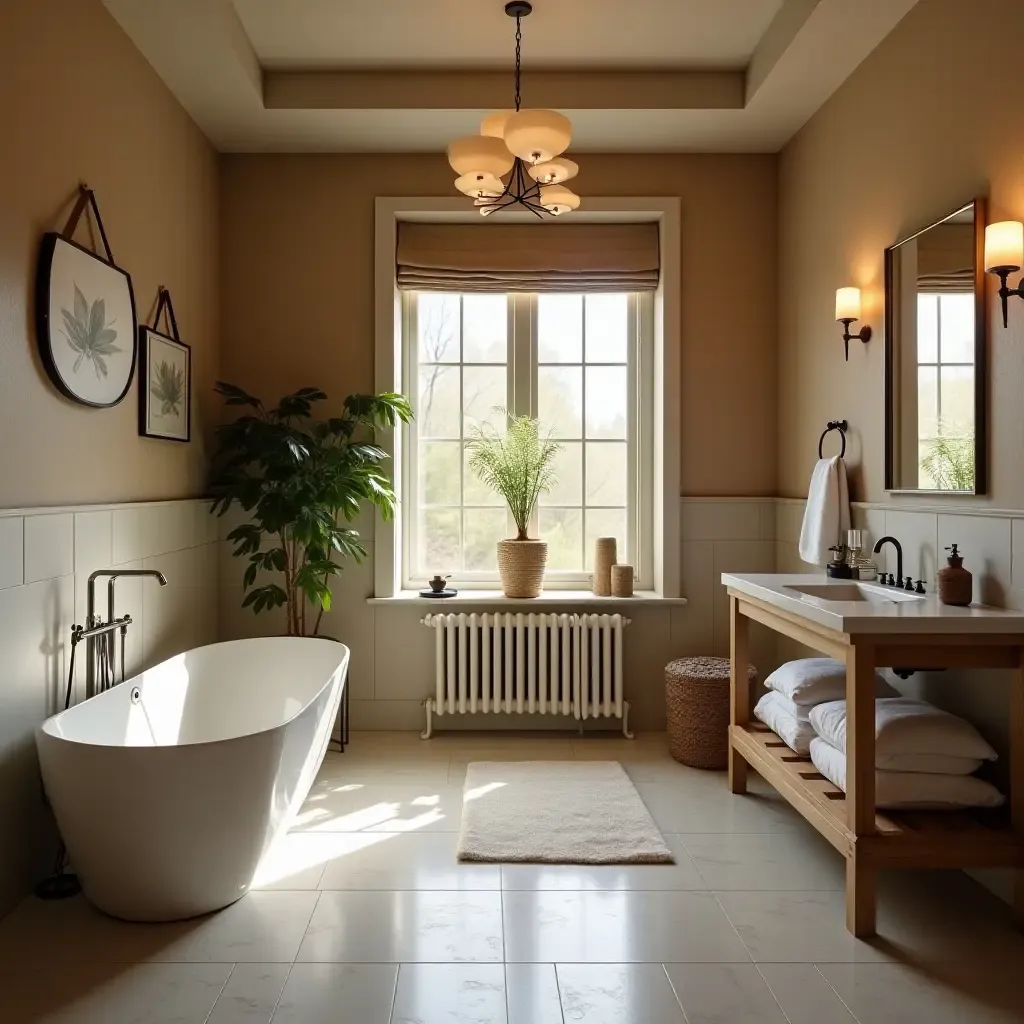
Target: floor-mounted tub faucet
(899, 557)
(101, 646)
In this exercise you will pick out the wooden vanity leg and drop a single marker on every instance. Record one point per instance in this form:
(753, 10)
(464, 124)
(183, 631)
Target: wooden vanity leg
(739, 690)
(1017, 778)
(860, 787)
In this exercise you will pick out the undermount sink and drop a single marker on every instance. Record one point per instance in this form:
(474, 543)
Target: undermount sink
(864, 592)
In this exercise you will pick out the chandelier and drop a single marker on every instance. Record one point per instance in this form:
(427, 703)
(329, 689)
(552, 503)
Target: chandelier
(525, 145)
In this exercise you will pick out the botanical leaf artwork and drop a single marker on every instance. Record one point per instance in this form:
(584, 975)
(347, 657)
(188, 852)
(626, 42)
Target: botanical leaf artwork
(89, 334)
(168, 388)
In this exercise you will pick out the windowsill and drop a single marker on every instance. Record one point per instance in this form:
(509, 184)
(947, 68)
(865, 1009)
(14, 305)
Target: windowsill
(495, 598)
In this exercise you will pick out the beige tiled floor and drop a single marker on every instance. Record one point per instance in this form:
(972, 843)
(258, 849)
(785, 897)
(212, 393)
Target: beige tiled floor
(363, 915)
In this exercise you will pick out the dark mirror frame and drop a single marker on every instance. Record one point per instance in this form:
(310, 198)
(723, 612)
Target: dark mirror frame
(980, 354)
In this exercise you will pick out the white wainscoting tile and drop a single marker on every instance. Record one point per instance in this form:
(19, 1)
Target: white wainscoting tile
(789, 517)
(12, 551)
(93, 547)
(985, 542)
(49, 546)
(126, 542)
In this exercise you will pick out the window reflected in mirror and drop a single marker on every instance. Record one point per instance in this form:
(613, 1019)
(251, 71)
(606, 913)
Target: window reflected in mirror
(935, 349)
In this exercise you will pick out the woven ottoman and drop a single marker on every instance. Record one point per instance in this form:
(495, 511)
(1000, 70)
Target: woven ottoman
(697, 706)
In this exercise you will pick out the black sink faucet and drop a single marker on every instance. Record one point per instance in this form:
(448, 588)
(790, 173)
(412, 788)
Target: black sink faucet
(899, 555)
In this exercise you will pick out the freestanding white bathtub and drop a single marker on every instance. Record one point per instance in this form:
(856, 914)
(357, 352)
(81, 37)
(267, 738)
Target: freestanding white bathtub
(169, 788)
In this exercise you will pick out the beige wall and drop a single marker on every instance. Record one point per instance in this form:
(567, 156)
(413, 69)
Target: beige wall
(80, 103)
(297, 271)
(932, 118)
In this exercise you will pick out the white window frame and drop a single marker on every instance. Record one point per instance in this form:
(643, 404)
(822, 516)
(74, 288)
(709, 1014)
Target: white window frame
(664, 413)
(521, 399)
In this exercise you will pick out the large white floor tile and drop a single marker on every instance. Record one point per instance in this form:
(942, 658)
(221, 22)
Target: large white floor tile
(262, 927)
(113, 994)
(402, 860)
(531, 993)
(251, 994)
(804, 995)
(297, 860)
(681, 875)
(405, 927)
(770, 861)
(705, 804)
(450, 994)
(618, 994)
(618, 927)
(322, 993)
(901, 994)
(356, 807)
(724, 994)
(801, 927)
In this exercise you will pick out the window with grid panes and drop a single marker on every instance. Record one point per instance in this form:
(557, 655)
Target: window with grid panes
(578, 363)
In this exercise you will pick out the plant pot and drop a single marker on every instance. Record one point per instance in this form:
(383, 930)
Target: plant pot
(521, 566)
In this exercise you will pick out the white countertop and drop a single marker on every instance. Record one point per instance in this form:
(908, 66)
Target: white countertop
(923, 615)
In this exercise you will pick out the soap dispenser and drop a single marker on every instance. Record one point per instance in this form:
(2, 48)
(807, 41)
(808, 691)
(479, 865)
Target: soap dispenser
(956, 585)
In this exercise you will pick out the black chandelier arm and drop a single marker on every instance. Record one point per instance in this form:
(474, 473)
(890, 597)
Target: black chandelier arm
(519, 50)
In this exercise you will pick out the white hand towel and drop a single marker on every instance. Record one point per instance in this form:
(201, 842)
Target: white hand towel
(909, 790)
(906, 726)
(827, 512)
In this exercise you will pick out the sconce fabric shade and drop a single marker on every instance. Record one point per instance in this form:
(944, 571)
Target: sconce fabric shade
(847, 304)
(480, 154)
(1004, 245)
(538, 135)
(493, 257)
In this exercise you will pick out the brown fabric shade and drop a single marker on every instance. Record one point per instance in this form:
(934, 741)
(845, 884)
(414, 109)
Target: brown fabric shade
(952, 281)
(528, 257)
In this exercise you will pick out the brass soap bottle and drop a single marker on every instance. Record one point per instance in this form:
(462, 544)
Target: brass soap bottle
(956, 585)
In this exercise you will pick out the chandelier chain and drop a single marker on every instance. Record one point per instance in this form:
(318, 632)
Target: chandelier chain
(519, 47)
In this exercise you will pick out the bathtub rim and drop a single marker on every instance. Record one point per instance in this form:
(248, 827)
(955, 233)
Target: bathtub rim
(43, 730)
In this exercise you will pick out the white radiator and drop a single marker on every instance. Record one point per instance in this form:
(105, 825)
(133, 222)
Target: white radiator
(528, 663)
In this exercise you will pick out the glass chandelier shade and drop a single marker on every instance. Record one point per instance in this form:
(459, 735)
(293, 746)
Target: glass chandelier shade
(523, 144)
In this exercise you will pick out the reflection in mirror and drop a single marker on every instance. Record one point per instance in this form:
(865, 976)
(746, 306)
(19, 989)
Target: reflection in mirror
(935, 357)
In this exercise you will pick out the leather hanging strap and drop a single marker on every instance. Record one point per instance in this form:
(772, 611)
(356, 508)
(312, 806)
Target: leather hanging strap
(86, 197)
(163, 306)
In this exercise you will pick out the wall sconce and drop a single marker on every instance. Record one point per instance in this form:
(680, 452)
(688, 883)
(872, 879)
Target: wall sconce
(847, 311)
(1004, 255)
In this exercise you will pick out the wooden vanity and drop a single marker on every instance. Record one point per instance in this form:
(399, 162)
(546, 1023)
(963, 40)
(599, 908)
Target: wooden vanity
(866, 634)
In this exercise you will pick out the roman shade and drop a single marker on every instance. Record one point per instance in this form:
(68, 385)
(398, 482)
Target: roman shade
(491, 257)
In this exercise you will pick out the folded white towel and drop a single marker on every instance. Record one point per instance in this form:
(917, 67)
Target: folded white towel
(827, 512)
(795, 734)
(810, 681)
(909, 790)
(906, 726)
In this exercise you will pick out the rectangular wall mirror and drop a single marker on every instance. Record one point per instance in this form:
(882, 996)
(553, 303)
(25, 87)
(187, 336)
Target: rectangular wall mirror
(935, 349)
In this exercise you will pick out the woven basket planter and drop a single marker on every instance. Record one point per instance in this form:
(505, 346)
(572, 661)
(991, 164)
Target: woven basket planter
(521, 567)
(697, 707)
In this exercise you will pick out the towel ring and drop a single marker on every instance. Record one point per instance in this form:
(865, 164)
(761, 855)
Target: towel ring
(839, 425)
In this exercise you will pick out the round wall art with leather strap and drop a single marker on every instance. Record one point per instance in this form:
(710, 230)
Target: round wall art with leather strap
(85, 314)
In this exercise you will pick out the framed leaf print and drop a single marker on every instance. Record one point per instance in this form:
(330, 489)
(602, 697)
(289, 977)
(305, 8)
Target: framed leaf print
(165, 378)
(85, 315)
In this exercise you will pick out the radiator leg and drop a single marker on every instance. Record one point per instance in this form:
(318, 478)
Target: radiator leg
(625, 721)
(428, 706)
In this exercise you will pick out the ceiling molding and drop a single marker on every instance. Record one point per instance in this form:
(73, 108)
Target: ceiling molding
(200, 48)
(490, 90)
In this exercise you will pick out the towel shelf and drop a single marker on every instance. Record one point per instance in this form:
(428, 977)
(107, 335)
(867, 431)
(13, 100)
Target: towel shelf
(849, 821)
(841, 426)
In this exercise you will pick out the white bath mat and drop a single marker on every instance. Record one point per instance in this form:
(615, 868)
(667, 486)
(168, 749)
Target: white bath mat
(557, 812)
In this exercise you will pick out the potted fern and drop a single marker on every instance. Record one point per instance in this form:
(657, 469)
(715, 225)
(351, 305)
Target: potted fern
(301, 481)
(518, 465)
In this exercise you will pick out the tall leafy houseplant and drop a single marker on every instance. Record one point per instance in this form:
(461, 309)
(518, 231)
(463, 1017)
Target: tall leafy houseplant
(949, 461)
(301, 480)
(518, 465)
